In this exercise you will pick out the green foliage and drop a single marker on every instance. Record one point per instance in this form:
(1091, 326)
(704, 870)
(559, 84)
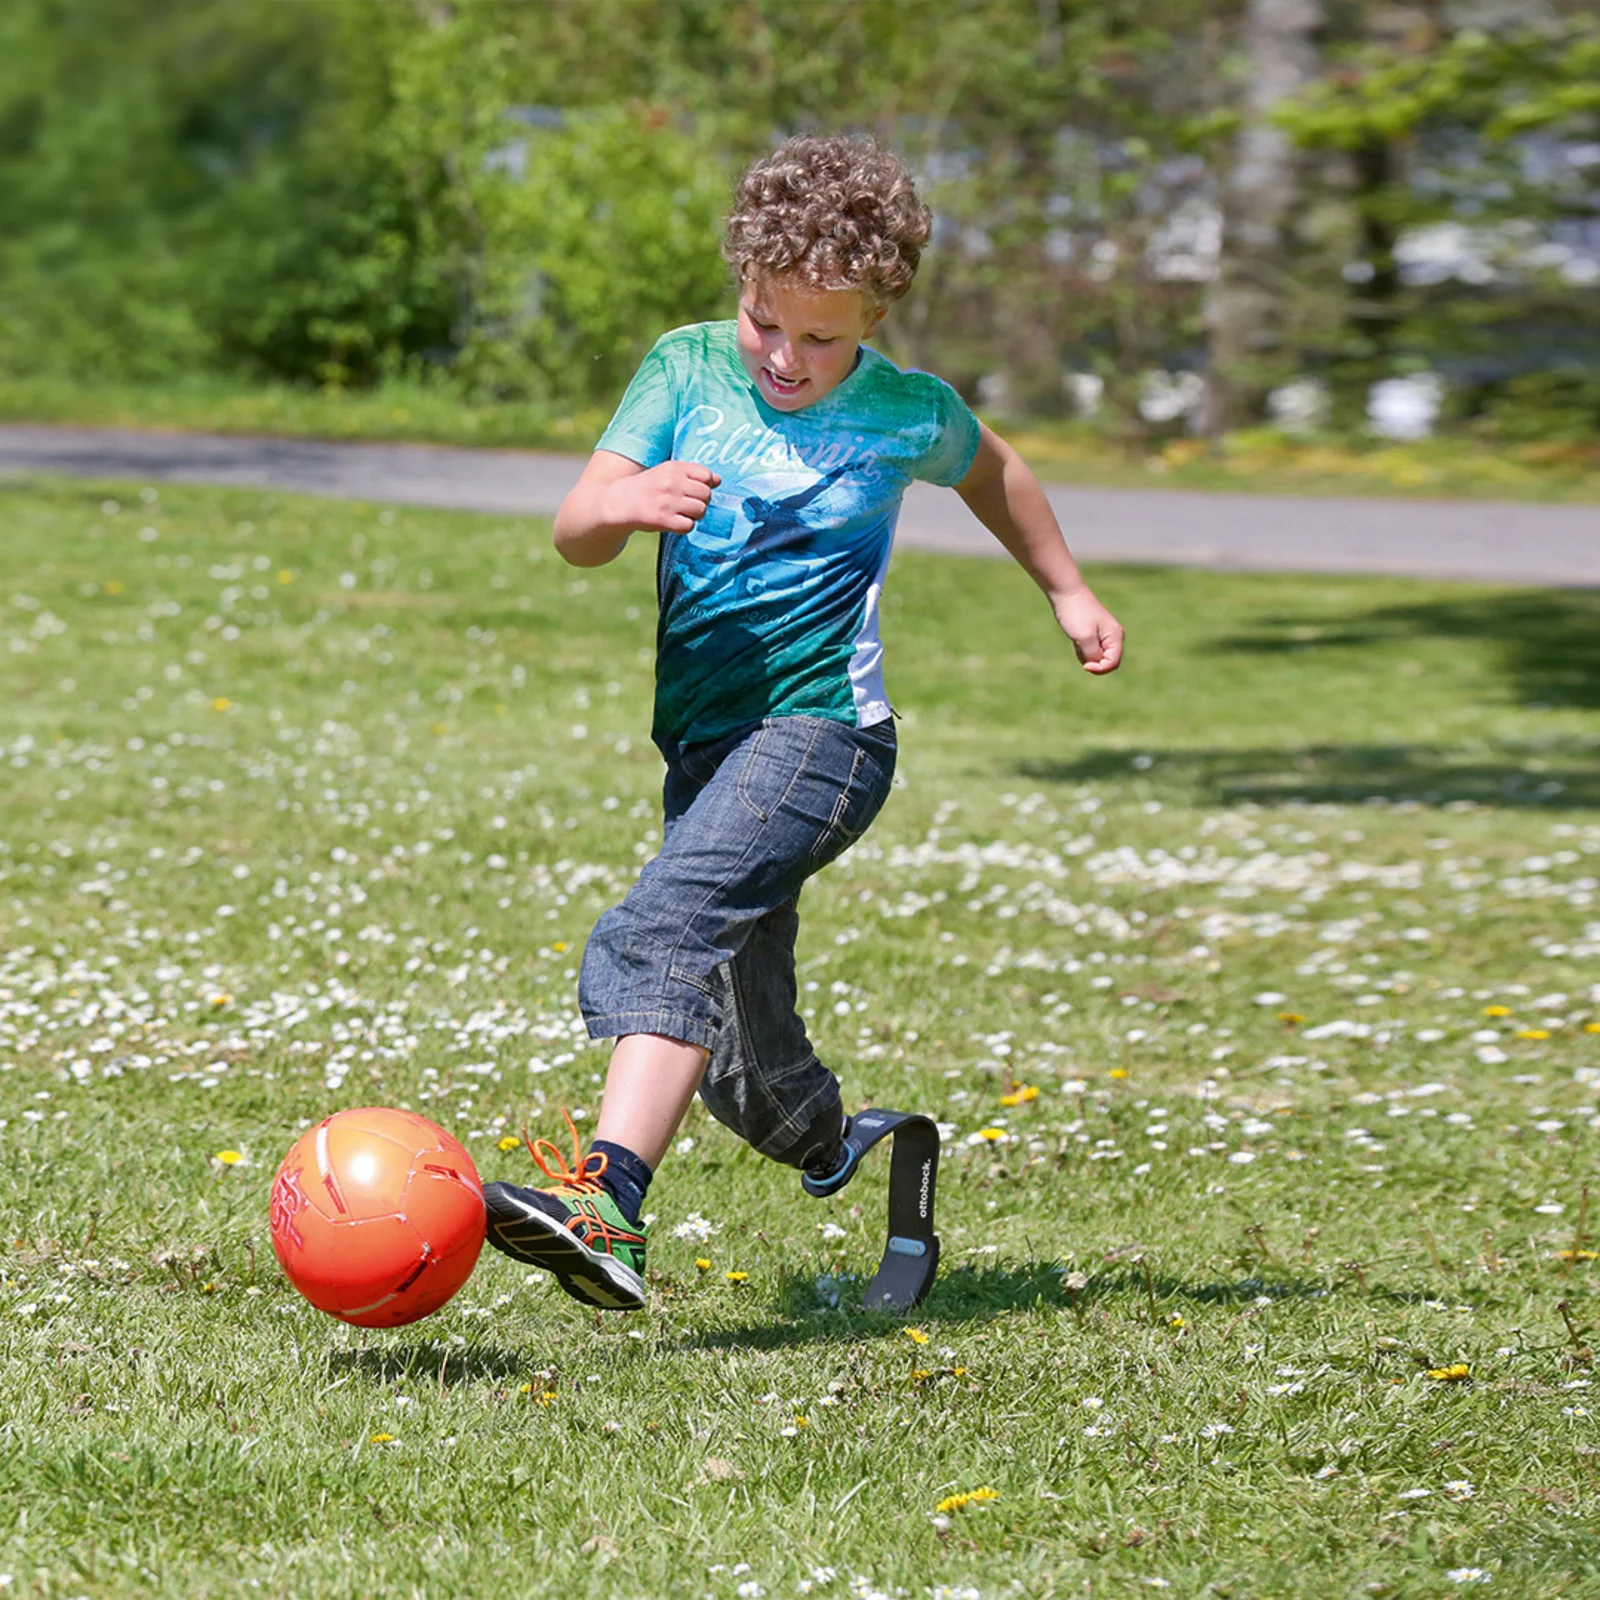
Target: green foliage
(598, 236)
(1481, 137)
(345, 251)
(92, 274)
(512, 201)
(1502, 83)
(278, 188)
(1560, 408)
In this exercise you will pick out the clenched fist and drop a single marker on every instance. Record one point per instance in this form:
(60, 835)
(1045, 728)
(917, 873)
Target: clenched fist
(670, 498)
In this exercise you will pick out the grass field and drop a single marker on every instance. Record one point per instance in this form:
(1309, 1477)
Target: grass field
(1283, 1283)
(1257, 461)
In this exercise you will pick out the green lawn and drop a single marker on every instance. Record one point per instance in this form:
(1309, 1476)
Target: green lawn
(1293, 925)
(1261, 461)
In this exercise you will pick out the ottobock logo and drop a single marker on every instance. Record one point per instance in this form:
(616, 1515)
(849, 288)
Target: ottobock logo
(927, 1183)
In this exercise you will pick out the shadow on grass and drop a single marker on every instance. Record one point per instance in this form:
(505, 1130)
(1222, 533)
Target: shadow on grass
(973, 1294)
(1548, 639)
(1554, 776)
(1546, 642)
(432, 1361)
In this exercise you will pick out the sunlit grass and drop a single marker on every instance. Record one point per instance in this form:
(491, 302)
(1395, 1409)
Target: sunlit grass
(1292, 926)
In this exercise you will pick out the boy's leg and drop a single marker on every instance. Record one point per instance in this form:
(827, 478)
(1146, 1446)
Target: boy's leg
(580, 1229)
(764, 1079)
(650, 1081)
(764, 810)
(649, 1085)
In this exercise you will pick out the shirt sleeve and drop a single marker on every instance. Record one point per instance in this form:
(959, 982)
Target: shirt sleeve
(952, 439)
(646, 420)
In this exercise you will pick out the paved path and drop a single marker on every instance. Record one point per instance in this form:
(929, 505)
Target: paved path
(1491, 541)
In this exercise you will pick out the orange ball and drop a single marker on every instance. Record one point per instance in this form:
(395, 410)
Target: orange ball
(377, 1216)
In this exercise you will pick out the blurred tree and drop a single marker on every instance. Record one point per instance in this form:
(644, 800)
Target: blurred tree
(517, 199)
(1250, 305)
(599, 235)
(1471, 153)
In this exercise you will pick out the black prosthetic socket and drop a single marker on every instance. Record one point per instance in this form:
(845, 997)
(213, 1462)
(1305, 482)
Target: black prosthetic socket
(821, 1148)
(829, 1166)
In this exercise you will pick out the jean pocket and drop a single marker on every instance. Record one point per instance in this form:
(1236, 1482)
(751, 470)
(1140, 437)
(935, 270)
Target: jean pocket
(772, 763)
(858, 802)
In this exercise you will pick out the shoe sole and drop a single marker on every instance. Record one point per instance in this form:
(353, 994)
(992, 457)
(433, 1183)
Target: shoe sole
(593, 1276)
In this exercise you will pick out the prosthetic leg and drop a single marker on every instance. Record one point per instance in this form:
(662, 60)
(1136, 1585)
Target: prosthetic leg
(911, 1256)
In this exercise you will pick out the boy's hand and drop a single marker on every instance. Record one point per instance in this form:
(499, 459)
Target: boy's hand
(670, 498)
(1095, 634)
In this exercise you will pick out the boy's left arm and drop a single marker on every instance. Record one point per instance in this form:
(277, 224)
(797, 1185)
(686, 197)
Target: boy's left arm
(1007, 499)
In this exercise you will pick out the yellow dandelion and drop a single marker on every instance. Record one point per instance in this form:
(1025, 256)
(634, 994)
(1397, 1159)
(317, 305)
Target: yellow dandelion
(113, 586)
(703, 1263)
(228, 1158)
(1577, 1255)
(1455, 1373)
(1533, 1033)
(1591, 1027)
(1020, 1096)
(509, 1142)
(991, 1134)
(208, 1288)
(802, 1422)
(956, 1502)
(1175, 1321)
(547, 1397)
(1119, 1072)
(736, 1277)
(221, 703)
(915, 1335)
(285, 575)
(1497, 1011)
(382, 1438)
(1290, 1017)
(220, 1000)
(958, 1372)
(920, 1374)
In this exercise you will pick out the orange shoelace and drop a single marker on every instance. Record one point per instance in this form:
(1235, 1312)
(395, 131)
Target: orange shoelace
(583, 1176)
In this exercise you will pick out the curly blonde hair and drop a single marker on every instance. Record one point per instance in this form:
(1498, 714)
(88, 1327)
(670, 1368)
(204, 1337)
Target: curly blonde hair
(834, 213)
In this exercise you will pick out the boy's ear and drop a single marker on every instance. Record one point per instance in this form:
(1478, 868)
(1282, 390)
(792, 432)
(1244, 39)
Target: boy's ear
(877, 316)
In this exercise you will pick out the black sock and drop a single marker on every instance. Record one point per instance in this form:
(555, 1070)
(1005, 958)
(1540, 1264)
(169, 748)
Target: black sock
(626, 1177)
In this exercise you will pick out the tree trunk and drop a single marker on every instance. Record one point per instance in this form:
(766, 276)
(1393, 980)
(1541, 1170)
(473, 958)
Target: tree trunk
(1374, 311)
(1248, 310)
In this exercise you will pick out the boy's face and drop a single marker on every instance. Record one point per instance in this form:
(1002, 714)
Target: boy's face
(799, 343)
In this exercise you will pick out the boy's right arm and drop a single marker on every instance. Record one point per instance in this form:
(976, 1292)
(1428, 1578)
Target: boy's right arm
(617, 497)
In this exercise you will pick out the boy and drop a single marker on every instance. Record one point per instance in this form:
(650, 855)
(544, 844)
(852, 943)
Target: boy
(770, 455)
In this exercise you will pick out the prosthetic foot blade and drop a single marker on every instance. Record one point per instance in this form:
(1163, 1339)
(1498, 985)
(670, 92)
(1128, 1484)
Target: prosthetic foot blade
(911, 1256)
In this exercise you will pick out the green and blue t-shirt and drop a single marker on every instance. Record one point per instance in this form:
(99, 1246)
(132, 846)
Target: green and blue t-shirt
(769, 605)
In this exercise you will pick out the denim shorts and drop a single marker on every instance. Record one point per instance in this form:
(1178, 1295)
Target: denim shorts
(702, 948)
